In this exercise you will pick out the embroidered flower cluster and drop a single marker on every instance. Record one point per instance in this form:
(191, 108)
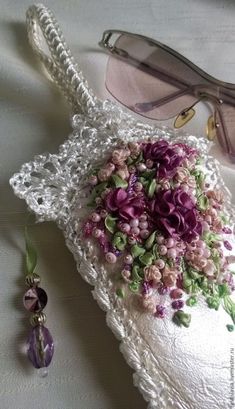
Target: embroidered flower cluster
(158, 220)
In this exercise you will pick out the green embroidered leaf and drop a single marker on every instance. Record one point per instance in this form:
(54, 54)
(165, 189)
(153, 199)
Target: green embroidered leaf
(149, 174)
(120, 292)
(144, 181)
(137, 273)
(146, 259)
(152, 188)
(134, 286)
(203, 202)
(137, 250)
(199, 177)
(191, 301)
(194, 273)
(110, 223)
(224, 218)
(187, 281)
(210, 238)
(119, 241)
(119, 182)
(155, 251)
(150, 241)
(138, 159)
(213, 302)
(181, 318)
(31, 255)
(223, 290)
(229, 307)
(96, 191)
(230, 327)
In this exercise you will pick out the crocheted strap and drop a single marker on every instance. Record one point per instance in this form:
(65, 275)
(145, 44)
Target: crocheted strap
(58, 59)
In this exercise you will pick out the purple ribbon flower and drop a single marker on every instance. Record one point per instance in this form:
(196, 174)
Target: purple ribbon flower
(164, 155)
(127, 207)
(174, 213)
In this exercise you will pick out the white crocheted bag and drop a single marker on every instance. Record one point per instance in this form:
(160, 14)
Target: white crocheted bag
(174, 367)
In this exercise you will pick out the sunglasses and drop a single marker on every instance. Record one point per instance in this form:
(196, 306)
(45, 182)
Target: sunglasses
(156, 82)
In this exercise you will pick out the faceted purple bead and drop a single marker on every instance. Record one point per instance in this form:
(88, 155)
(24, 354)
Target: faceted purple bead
(35, 299)
(40, 346)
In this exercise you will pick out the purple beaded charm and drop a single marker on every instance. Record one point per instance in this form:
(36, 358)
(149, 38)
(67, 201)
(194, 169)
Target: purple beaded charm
(40, 346)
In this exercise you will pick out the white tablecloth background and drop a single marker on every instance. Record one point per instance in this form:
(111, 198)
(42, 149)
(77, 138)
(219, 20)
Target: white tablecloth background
(88, 372)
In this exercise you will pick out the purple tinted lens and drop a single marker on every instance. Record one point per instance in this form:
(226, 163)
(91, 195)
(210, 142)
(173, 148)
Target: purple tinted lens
(149, 80)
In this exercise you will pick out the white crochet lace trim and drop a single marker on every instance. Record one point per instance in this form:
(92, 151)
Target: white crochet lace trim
(52, 185)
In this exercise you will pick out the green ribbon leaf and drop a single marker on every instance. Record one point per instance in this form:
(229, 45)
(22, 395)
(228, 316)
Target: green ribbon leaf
(203, 202)
(191, 301)
(137, 273)
(223, 290)
(210, 238)
(150, 241)
(119, 240)
(152, 188)
(213, 302)
(119, 182)
(134, 286)
(110, 223)
(120, 292)
(229, 307)
(181, 318)
(137, 250)
(146, 259)
(30, 255)
(96, 191)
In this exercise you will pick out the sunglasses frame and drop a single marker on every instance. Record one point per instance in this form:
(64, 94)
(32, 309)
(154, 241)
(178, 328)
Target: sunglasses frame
(108, 46)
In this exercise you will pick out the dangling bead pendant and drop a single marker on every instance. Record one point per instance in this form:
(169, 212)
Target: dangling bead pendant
(40, 344)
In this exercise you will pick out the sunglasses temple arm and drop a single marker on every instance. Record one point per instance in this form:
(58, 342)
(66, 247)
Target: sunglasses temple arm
(143, 107)
(227, 143)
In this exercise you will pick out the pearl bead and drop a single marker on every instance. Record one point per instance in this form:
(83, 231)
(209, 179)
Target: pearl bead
(176, 293)
(96, 233)
(131, 240)
(144, 234)
(205, 226)
(138, 187)
(201, 244)
(135, 231)
(170, 243)
(149, 163)
(134, 223)
(95, 217)
(93, 180)
(208, 219)
(162, 250)
(103, 213)
(199, 252)
(143, 225)
(128, 259)
(110, 166)
(206, 253)
(141, 167)
(125, 227)
(172, 253)
(160, 263)
(110, 258)
(143, 218)
(160, 239)
(131, 169)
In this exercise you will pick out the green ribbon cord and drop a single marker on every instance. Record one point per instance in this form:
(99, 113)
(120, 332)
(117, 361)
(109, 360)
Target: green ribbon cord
(30, 254)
